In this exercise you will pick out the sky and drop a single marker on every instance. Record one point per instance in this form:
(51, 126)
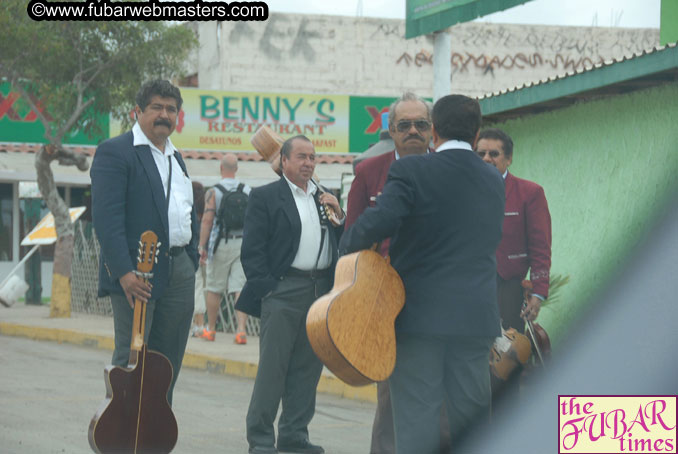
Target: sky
(603, 13)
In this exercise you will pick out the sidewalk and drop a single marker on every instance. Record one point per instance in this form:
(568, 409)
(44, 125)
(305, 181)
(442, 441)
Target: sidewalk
(221, 356)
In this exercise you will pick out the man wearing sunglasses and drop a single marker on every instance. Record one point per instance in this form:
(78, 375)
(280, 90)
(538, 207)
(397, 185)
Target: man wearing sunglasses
(526, 235)
(525, 244)
(409, 124)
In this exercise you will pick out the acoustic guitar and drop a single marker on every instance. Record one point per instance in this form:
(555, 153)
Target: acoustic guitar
(135, 417)
(351, 328)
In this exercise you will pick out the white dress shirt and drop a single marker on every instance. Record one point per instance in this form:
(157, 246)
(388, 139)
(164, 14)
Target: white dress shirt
(309, 242)
(454, 145)
(181, 193)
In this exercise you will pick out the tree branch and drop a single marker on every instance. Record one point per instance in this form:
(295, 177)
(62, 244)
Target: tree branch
(74, 116)
(48, 189)
(24, 94)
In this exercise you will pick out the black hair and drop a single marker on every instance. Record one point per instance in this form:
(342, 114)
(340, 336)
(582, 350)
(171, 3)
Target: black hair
(162, 88)
(457, 117)
(286, 148)
(498, 134)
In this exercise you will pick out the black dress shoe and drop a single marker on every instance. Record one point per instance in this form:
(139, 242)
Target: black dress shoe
(304, 447)
(263, 450)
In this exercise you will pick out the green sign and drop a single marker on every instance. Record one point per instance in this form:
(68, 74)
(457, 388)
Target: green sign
(428, 16)
(365, 121)
(668, 26)
(18, 123)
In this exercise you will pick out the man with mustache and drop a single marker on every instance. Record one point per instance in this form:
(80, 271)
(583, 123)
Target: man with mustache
(526, 236)
(289, 255)
(139, 183)
(409, 124)
(525, 243)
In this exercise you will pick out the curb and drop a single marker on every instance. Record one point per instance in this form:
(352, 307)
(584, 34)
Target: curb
(327, 385)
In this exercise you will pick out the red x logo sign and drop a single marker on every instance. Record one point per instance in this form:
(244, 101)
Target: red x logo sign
(6, 103)
(375, 126)
(6, 106)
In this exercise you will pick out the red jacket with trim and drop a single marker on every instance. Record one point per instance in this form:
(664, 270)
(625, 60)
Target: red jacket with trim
(526, 235)
(370, 177)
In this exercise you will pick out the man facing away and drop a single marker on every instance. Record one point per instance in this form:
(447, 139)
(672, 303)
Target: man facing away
(409, 124)
(139, 183)
(221, 251)
(289, 257)
(443, 212)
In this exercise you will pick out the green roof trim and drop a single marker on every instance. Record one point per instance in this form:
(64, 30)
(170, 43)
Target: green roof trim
(588, 80)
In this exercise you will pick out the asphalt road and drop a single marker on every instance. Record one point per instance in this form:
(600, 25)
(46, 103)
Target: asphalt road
(50, 391)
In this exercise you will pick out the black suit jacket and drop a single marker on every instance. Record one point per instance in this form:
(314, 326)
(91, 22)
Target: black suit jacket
(444, 212)
(128, 199)
(270, 242)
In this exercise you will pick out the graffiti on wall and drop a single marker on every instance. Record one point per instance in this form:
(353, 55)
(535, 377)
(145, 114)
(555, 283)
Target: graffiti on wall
(420, 59)
(280, 39)
(488, 63)
(542, 47)
(583, 41)
(387, 29)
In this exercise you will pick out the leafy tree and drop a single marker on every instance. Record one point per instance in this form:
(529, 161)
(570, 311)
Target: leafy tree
(71, 71)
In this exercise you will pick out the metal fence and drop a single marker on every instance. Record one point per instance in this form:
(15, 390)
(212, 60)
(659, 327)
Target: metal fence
(85, 275)
(85, 272)
(227, 319)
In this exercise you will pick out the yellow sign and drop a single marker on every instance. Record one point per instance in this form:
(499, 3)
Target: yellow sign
(45, 233)
(224, 120)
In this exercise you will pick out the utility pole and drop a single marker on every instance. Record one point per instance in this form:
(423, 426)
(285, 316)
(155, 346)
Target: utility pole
(442, 64)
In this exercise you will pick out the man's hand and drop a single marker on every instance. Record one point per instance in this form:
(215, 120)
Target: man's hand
(331, 201)
(531, 308)
(203, 255)
(135, 287)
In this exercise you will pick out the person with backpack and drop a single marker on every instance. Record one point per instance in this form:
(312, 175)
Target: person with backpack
(219, 245)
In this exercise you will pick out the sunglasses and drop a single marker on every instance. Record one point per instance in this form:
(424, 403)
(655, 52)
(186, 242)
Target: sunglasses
(406, 125)
(493, 154)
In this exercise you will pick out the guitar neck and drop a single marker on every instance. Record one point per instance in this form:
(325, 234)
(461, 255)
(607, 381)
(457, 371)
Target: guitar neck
(138, 328)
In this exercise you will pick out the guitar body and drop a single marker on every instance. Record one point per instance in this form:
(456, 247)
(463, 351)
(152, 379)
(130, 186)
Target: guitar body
(135, 417)
(351, 328)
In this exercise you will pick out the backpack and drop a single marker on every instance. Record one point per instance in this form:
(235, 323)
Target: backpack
(231, 212)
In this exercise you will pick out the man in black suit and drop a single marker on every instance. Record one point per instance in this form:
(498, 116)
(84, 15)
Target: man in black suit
(443, 212)
(139, 183)
(288, 256)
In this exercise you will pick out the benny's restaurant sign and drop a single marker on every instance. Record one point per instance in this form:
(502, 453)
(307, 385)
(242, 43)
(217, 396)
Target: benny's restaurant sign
(222, 120)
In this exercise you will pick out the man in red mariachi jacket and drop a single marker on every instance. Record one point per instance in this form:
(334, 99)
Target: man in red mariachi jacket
(526, 235)
(409, 124)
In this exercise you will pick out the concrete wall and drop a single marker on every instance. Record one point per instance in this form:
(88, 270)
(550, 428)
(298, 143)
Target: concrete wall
(369, 56)
(608, 167)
